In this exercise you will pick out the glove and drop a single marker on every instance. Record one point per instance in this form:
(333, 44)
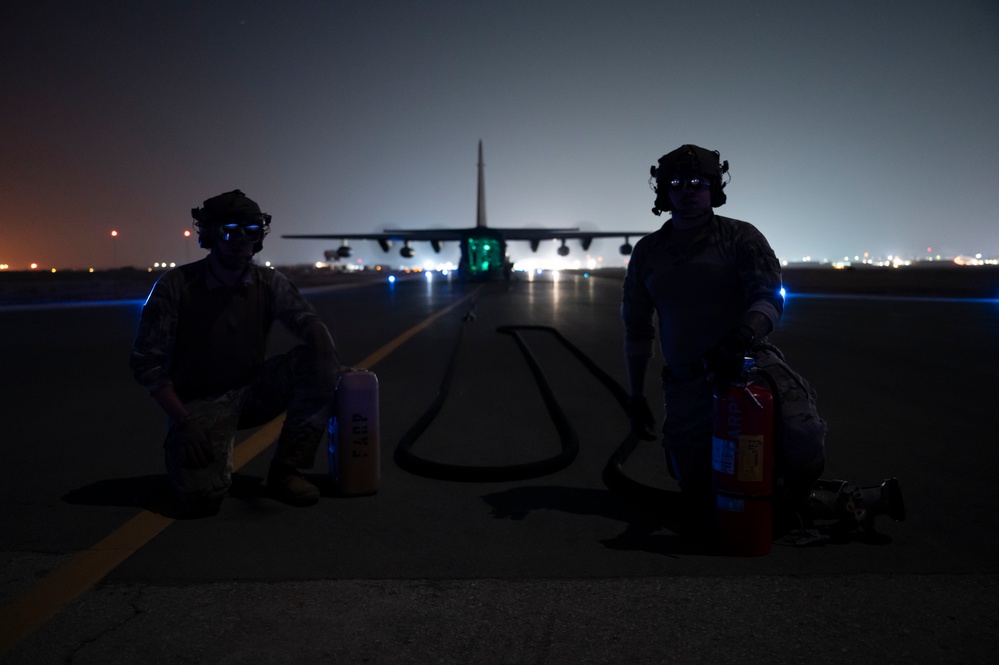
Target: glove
(641, 418)
(724, 360)
(195, 444)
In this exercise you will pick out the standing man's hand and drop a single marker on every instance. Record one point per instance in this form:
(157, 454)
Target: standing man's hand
(724, 360)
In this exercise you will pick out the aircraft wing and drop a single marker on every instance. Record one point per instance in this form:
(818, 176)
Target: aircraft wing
(443, 235)
(391, 235)
(565, 234)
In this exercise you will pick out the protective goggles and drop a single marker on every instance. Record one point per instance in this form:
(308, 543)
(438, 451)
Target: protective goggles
(693, 183)
(253, 232)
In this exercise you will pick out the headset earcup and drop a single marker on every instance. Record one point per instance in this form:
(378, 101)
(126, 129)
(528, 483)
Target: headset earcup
(206, 236)
(662, 200)
(718, 197)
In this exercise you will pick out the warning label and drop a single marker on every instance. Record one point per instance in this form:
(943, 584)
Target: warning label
(750, 458)
(723, 455)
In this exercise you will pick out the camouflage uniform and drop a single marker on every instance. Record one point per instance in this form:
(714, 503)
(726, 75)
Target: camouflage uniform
(701, 283)
(209, 341)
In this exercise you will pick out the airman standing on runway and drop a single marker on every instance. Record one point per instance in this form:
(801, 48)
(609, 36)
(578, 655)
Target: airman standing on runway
(200, 348)
(715, 285)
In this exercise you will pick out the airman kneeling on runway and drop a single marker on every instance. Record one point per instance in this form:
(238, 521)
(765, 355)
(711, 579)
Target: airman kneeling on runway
(715, 285)
(200, 351)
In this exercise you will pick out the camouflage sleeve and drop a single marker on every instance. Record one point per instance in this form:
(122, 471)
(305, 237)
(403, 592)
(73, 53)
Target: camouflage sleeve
(298, 315)
(157, 331)
(637, 308)
(290, 306)
(760, 273)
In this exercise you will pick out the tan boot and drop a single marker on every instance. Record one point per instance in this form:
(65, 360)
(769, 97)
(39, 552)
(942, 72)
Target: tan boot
(287, 485)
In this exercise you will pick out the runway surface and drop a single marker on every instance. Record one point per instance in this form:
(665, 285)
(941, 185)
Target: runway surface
(550, 569)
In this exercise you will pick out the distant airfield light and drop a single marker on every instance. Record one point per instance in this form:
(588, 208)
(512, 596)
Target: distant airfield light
(391, 279)
(320, 264)
(53, 271)
(114, 234)
(34, 266)
(429, 274)
(91, 270)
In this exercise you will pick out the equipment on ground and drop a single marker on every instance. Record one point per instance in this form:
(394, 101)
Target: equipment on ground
(857, 506)
(742, 455)
(354, 457)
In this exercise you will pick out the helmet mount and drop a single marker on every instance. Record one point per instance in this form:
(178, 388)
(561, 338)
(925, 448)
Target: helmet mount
(229, 208)
(688, 160)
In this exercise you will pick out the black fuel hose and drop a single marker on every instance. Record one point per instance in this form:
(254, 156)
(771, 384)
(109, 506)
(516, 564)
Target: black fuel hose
(613, 475)
(406, 460)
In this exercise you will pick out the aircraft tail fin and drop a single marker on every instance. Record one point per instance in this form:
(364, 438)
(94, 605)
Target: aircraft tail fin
(480, 207)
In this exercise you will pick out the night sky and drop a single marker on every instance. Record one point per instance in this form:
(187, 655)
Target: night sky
(850, 127)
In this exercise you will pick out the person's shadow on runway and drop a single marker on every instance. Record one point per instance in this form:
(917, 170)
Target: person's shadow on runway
(659, 527)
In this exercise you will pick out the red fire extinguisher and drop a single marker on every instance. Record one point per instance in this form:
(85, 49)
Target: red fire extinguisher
(742, 454)
(354, 456)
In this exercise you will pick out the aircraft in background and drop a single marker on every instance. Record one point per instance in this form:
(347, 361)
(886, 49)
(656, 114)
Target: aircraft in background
(483, 248)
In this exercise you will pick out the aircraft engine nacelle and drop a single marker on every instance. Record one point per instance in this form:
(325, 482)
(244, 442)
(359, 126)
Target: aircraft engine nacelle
(626, 249)
(563, 250)
(344, 252)
(406, 252)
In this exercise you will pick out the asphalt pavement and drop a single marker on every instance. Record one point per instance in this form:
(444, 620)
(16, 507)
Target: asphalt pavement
(550, 568)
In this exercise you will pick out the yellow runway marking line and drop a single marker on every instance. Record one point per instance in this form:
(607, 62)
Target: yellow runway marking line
(29, 611)
(381, 353)
(43, 600)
